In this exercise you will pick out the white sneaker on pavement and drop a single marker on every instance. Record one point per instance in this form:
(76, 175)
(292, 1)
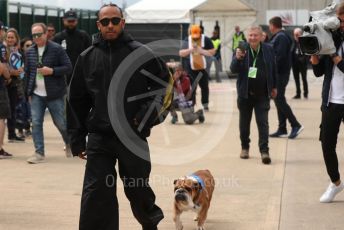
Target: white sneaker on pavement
(35, 159)
(331, 192)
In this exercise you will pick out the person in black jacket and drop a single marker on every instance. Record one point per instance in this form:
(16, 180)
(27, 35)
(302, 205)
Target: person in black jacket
(256, 83)
(46, 65)
(282, 45)
(73, 40)
(91, 117)
(299, 66)
(332, 107)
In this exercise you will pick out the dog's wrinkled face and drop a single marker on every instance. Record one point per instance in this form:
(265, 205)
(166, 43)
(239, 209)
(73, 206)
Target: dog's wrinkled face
(185, 190)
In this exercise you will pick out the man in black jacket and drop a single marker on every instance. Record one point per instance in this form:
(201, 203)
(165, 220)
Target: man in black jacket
(46, 65)
(92, 117)
(332, 108)
(299, 66)
(282, 45)
(256, 83)
(73, 40)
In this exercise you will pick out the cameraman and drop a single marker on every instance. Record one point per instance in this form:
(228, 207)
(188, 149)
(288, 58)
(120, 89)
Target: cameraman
(332, 108)
(255, 66)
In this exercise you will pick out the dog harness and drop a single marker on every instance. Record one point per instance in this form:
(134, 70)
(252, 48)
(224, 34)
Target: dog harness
(199, 180)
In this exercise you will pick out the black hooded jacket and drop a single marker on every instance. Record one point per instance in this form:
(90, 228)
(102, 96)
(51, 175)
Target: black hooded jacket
(89, 87)
(76, 42)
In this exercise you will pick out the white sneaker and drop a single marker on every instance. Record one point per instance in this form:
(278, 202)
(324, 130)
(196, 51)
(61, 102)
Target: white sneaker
(36, 158)
(331, 192)
(68, 151)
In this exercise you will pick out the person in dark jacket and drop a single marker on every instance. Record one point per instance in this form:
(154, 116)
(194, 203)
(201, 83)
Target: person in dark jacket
(332, 107)
(3, 52)
(89, 95)
(299, 66)
(46, 65)
(73, 40)
(256, 83)
(282, 45)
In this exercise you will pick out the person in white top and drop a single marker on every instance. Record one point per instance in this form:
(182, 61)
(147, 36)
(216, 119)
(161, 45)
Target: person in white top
(332, 66)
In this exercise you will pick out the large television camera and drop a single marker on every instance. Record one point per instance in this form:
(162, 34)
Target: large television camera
(317, 37)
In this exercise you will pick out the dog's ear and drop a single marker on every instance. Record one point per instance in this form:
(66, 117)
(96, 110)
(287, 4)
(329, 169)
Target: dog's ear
(175, 181)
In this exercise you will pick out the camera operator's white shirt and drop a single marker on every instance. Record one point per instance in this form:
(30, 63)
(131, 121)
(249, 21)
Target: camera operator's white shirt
(337, 83)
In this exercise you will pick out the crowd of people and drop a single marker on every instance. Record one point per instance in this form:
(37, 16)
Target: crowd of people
(263, 67)
(35, 72)
(39, 69)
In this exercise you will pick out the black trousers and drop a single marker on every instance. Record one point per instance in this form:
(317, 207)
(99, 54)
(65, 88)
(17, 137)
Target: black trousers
(331, 119)
(300, 68)
(203, 84)
(261, 107)
(13, 98)
(283, 109)
(99, 205)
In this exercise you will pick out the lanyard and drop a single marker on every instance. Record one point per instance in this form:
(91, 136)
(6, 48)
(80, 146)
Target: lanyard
(255, 57)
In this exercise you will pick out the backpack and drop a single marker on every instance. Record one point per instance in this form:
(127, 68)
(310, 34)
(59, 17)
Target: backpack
(167, 99)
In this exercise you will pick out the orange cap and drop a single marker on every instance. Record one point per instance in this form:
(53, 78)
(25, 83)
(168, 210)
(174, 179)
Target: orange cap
(195, 31)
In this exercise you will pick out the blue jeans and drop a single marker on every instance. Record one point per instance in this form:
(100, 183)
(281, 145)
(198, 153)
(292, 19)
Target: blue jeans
(56, 108)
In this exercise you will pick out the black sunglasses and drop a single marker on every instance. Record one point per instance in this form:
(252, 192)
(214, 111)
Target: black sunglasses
(106, 21)
(37, 35)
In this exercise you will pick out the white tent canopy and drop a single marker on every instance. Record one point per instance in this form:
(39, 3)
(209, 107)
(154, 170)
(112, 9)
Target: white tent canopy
(223, 5)
(161, 11)
(178, 11)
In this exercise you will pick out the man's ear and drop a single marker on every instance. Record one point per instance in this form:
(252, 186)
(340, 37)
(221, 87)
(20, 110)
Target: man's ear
(123, 23)
(98, 25)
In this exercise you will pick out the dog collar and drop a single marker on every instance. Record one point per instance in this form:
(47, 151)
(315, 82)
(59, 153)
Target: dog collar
(199, 180)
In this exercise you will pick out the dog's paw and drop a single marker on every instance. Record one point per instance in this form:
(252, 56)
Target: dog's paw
(179, 226)
(200, 228)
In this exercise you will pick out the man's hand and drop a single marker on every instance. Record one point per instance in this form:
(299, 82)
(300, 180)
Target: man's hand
(315, 59)
(83, 156)
(5, 72)
(239, 54)
(336, 59)
(45, 71)
(186, 52)
(16, 72)
(274, 93)
(205, 52)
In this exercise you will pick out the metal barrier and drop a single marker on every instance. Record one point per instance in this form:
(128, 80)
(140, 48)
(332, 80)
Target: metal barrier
(22, 16)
